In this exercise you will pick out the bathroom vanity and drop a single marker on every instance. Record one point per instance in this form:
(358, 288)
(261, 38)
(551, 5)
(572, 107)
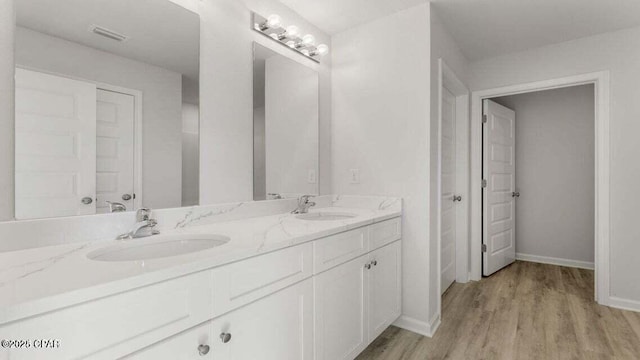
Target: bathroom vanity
(277, 285)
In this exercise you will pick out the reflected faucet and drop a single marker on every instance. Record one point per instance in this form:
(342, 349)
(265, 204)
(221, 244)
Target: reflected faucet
(143, 226)
(116, 206)
(304, 204)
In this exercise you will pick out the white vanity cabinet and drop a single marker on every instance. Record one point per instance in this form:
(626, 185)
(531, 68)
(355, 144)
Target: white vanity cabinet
(195, 343)
(326, 299)
(278, 327)
(357, 300)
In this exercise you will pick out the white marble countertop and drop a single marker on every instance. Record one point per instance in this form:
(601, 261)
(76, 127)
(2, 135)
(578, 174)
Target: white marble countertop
(38, 280)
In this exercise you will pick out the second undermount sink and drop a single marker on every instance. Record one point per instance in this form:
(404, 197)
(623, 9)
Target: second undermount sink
(158, 246)
(326, 216)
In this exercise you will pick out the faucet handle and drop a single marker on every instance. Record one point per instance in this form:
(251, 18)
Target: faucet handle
(143, 214)
(305, 199)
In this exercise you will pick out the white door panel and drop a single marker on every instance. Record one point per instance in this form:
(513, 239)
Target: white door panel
(448, 188)
(55, 145)
(115, 149)
(497, 199)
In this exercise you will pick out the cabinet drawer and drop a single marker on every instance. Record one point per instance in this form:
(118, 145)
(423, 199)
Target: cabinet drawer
(339, 248)
(240, 283)
(384, 233)
(117, 325)
(195, 343)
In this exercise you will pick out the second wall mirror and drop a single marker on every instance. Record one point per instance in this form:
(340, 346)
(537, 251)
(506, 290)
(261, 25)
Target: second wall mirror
(285, 126)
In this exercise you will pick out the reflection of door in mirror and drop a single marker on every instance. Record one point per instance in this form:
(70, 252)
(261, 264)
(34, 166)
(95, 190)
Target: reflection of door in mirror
(74, 147)
(114, 150)
(93, 82)
(55, 146)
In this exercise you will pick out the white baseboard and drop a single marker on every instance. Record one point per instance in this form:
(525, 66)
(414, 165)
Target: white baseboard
(418, 326)
(624, 304)
(555, 261)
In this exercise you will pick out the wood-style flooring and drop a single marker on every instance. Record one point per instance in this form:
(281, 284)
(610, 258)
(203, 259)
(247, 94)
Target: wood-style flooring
(525, 311)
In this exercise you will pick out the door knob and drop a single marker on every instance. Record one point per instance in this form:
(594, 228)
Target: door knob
(515, 194)
(225, 337)
(126, 197)
(87, 200)
(203, 349)
(457, 198)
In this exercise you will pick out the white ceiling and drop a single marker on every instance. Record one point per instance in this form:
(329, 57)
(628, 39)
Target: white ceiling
(487, 28)
(162, 33)
(334, 16)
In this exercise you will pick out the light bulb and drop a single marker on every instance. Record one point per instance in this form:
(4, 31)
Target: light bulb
(274, 36)
(322, 49)
(305, 52)
(292, 31)
(291, 43)
(274, 21)
(308, 39)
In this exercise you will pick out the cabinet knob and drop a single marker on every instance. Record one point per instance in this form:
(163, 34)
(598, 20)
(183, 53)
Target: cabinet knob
(203, 349)
(87, 200)
(225, 337)
(367, 266)
(374, 262)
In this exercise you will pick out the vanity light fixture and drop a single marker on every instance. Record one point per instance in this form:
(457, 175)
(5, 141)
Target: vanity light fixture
(289, 36)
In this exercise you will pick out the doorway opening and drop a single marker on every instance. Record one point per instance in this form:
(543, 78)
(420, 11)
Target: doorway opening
(538, 163)
(494, 190)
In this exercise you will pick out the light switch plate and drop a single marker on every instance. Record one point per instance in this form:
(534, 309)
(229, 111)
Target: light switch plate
(311, 177)
(354, 176)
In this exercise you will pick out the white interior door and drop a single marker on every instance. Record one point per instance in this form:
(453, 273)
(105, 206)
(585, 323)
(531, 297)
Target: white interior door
(55, 146)
(448, 191)
(115, 149)
(498, 203)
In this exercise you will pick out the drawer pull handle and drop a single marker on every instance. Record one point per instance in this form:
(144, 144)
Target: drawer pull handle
(225, 337)
(203, 349)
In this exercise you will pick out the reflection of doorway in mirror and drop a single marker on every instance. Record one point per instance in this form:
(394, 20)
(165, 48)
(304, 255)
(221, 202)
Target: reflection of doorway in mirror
(114, 150)
(75, 146)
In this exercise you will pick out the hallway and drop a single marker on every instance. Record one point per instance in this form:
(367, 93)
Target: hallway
(526, 311)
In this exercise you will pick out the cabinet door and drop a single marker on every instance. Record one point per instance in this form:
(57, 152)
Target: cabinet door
(384, 288)
(277, 327)
(341, 311)
(193, 344)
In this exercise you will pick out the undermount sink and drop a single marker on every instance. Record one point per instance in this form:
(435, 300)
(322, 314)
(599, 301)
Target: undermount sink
(326, 216)
(158, 246)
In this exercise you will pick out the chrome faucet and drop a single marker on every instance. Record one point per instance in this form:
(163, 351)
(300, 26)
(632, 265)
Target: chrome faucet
(143, 226)
(304, 204)
(116, 206)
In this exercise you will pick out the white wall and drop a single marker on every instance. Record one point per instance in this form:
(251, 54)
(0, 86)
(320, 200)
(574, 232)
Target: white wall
(381, 93)
(162, 103)
(618, 52)
(7, 130)
(291, 127)
(444, 47)
(190, 154)
(555, 146)
(226, 169)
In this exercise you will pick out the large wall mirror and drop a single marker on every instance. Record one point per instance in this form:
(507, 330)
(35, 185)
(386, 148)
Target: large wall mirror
(107, 106)
(285, 126)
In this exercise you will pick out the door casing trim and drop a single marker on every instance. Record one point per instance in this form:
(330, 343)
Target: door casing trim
(601, 82)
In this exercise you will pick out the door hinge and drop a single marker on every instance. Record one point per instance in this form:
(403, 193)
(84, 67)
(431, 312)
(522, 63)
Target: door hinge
(484, 248)
(484, 183)
(484, 119)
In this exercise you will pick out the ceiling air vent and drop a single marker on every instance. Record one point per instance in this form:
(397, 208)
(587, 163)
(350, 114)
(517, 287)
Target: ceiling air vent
(107, 33)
